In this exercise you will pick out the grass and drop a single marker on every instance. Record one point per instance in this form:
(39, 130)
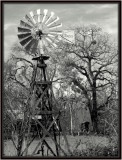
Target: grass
(89, 145)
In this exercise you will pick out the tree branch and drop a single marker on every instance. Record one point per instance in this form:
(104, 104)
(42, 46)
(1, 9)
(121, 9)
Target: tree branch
(99, 70)
(23, 59)
(81, 87)
(103, 85)
(82, 70)
(21, 84)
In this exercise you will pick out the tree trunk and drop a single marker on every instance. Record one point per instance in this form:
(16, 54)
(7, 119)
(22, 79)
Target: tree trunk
(71, 121)
(94, 116)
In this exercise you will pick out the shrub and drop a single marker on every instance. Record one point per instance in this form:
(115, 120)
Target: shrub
(109, 151)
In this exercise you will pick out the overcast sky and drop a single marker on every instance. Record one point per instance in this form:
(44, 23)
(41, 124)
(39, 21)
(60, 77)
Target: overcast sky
(105, 15)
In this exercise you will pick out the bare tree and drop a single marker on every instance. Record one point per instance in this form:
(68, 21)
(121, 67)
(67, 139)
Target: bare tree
(90, 65)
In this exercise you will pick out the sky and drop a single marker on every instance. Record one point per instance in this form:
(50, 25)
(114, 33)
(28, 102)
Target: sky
(105, 15)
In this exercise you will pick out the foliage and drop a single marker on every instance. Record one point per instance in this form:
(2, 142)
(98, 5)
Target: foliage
(99, 152)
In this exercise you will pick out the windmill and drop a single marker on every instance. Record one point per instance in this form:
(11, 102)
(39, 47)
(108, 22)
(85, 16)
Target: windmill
(38, 31)
(37, 34)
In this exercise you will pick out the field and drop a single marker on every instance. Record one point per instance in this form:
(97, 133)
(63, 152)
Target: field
(77, 143)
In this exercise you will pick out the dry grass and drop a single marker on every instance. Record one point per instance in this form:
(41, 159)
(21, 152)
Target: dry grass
(78, 143)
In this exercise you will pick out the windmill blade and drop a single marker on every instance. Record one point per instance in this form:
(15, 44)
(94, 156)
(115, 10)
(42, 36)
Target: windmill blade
(38, 14)
(50, 35)
(24, 24)
(45, 13)
(55, 35)
(20, 29)
(23, 42)
(30, 44)
(29, 20)
(21, 36)
(45, 42)
(34, 29)
(34, 47)
(48, 42)
(52, 14)
(56, 32)
(46, 48)
(51, 41)
(57, 26)
(53, 21)
(32, 16)
(40, 46)
(54, 45)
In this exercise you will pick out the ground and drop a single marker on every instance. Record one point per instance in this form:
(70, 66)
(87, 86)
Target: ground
(76, 143)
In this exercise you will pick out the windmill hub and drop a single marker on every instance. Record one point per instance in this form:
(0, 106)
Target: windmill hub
(39, 33)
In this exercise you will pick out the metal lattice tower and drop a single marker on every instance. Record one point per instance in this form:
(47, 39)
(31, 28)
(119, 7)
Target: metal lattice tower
(37, 34)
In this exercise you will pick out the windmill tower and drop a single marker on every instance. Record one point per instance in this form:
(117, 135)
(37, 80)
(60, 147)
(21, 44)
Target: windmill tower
(37, 35)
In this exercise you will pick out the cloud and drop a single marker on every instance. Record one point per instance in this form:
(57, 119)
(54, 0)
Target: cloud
(107, 6)
(70, 14)
(8, 42)
(10, 37)
(9, 25)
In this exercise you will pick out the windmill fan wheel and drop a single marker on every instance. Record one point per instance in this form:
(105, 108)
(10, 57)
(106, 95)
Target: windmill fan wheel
(39, 30)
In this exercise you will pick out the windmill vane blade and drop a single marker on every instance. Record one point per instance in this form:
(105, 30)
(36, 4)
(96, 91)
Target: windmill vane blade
(38, 11)
(37, 27)
(52, 14)
(56, 32)
(21, 36)
(53, 45)
(23, 42)
(38, 15)
(23, 29)
(29, 20)
(51, 41)
(30, 44)
(32, 16)
(57, 26)
(45, 13)
(53, 21)
(34, 48)
(48, 43)
(24, 24)
(51, 35)
(48, 40)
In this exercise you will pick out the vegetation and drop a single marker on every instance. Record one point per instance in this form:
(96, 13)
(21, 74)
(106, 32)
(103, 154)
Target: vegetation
(84, 74)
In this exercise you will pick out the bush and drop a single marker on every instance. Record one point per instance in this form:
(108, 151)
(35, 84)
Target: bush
(109, 151)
